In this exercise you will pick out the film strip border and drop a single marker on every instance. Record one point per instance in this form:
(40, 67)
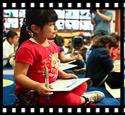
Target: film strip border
(63, 5)
(84, 109)
(64, 110)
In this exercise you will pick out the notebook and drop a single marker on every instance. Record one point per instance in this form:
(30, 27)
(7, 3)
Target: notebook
(67, 84)
(114, 92)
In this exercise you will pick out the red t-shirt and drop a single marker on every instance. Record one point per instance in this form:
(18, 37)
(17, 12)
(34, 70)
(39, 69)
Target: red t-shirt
(37, 57)
(115, 54)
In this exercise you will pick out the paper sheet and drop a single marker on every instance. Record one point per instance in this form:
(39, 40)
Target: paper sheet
(67, 84)
(114, 92)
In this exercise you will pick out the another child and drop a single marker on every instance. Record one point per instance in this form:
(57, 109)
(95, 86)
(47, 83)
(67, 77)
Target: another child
(9, 47)
(77, 58)
(115, 54)
(37, 53)
(99, 62)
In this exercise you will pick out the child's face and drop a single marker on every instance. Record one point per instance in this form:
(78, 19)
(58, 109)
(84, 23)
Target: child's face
(49, 30)
(14, 40)
(109, 49)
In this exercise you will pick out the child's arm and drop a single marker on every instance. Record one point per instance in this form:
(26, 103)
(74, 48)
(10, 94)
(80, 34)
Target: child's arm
(64, 59)
(64, 75)
(20, 76)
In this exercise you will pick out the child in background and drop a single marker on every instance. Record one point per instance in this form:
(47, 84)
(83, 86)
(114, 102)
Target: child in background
(115, 54)
(9, 44)
(99, 62)
(60, 43)
(37, 53)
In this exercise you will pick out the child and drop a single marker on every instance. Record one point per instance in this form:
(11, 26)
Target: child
(99, 62)
(115, 54)
(37, 53)
(60, 43)
(9, 47)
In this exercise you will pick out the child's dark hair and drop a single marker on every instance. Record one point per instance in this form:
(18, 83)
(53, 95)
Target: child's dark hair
(37, 17)
(116, 36)
(59, 40)
(11, 34)
(101, 41)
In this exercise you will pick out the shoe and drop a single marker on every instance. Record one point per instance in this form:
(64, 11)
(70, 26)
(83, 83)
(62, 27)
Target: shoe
(94, 96)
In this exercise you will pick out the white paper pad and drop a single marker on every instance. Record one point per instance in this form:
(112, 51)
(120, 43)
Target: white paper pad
(114, 92)
(67, 84)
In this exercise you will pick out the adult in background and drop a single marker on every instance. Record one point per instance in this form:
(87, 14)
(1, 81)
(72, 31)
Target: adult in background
(101, 20)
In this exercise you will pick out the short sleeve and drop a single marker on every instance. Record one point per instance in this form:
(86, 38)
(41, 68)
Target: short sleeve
(61, 49)
(24, 55)
(109, 14)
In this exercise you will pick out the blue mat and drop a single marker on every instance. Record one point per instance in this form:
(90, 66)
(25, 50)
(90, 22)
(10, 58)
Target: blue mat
(9, 98)
(108, 100)
(9, 77)
(8, 92)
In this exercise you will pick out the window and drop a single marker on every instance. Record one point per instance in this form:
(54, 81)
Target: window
(13, 18)
(74, 20)
(71, 20)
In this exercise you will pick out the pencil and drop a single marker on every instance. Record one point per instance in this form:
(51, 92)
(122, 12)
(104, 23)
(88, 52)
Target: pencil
(47, 79)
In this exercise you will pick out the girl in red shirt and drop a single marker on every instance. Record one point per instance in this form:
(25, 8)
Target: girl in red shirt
(37, 53)
(115, 54)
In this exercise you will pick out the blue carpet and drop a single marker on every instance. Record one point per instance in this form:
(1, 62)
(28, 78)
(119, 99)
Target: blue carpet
(9, 97)
(10, 77)
(8, 92)
(108, 100)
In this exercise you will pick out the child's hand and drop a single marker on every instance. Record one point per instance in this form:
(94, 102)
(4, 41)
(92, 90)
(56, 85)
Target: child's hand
(78, 57)
(43, 90)
(73, 76)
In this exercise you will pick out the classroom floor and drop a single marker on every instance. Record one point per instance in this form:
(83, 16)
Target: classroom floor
(9, 97)
(108, 100)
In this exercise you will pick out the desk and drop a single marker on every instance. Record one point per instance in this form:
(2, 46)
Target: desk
(64, 66)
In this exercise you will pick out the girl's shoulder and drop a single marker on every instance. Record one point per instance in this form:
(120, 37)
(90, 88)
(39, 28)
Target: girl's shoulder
(52, 43)
(28, 44)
